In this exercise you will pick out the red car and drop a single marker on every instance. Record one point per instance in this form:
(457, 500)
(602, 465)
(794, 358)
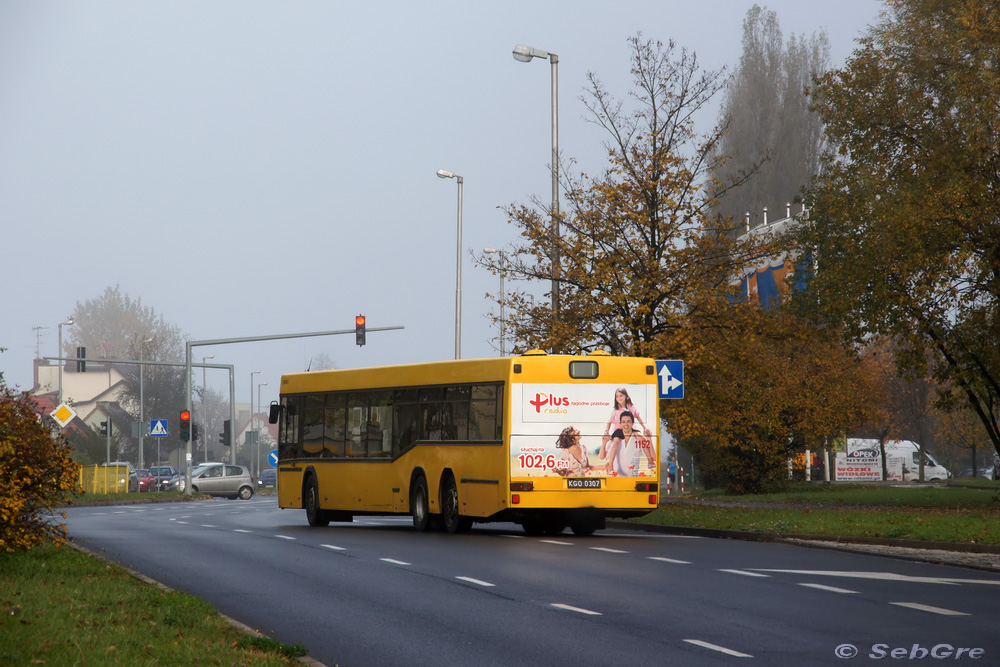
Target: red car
(147, 481)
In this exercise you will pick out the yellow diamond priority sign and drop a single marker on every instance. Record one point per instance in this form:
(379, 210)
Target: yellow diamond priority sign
(63, 415)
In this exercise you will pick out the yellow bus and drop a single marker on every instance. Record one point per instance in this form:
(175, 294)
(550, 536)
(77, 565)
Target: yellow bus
(545, 441)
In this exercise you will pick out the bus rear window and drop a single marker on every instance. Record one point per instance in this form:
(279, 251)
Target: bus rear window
(583, 370)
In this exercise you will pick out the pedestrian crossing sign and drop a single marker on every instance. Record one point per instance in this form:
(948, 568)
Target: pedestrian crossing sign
(158, 428)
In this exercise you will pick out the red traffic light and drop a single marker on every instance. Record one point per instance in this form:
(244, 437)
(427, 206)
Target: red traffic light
(185, 416)
(359, 321)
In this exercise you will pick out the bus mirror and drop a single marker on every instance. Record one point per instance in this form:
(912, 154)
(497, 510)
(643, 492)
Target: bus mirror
(272, 416)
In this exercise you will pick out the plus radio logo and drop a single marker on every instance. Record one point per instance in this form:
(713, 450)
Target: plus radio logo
(549, 402)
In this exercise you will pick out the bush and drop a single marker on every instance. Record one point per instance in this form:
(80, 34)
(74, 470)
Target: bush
(37, 474)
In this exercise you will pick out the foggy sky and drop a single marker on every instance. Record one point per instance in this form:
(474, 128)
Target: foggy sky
(251, 168)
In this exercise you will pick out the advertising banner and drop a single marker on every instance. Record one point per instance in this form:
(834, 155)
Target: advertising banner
(858, 468)
(583, 431)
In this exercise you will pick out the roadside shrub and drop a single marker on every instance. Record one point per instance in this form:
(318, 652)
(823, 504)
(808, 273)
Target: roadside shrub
(37, 474)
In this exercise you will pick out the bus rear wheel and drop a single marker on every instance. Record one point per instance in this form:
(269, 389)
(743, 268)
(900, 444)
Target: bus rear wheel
(314, 514)
(419, 507)
(454, 522)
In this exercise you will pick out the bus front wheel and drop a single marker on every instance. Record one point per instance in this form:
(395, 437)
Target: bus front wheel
(314, 514)
(419, 507)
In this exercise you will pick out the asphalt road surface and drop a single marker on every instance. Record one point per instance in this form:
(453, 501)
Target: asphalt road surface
(375, 592)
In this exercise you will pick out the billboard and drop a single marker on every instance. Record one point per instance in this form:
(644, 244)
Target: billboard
(583, 430)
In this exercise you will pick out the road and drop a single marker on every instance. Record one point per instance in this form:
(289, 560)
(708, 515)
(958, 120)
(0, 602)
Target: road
(374, 592)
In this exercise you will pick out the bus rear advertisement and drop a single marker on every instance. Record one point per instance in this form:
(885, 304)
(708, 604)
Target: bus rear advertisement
(545, 441)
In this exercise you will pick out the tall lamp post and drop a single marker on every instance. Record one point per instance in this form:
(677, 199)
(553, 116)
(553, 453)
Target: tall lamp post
(257, 455)
(61, 362)
(524, 53)
(503, 347)
(142, 415)
(458, 270)
(250, 422)
(204, 406)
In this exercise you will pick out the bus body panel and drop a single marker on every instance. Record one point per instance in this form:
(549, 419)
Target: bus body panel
(486, 473)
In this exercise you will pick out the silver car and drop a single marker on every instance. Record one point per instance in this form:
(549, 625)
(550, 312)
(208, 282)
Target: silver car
(223, 479)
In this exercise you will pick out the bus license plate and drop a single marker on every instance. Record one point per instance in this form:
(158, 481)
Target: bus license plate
(589, 483)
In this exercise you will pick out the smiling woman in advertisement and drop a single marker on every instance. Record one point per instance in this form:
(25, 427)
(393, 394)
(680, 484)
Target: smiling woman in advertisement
(627, 449)
(573, 459)
(623, 402)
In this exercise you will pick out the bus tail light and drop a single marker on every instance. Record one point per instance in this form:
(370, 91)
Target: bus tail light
(647, 486)
(515, 499)
(652, 499)
(522, 486)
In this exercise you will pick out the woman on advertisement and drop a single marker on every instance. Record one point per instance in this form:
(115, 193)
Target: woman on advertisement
(622, 403)
(626, 451)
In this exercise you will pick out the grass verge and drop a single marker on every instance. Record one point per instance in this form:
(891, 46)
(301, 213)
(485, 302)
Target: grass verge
(60, 606)
(937, 514)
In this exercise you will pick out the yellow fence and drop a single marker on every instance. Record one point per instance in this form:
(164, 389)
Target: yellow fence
(104, 479)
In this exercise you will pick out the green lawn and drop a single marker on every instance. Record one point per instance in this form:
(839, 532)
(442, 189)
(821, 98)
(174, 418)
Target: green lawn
(943, 514)
(60, 606)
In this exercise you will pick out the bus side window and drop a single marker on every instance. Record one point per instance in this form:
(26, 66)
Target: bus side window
(357, 425)
(407, 425)
(312, 426)
(334, 435)
(483, 413)
(291, 447)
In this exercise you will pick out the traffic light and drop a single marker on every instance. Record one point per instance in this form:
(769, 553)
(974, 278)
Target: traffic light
(185, 426)
(104, 428)
(225, 438)
(359, 329)
(194, 431)
(81, 360)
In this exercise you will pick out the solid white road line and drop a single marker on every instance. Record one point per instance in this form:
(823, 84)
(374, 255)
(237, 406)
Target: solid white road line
(832, 589)
(576, 609)
(394, 561)
(933, 610)
(478, 582)
(720, 649)
(670, 560)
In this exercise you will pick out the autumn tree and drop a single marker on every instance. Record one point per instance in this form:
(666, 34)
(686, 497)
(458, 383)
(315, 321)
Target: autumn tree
(647, 270)
(116, 326)
(637, 250)
(762, 388)
(36, 475)
(772, 132)
(905, 223)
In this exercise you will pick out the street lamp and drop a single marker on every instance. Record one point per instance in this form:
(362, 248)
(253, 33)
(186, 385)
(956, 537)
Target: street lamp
(204, 406)
(142, 416)
(524, 53)
(458, 260)
(503, 349)
(61, 362)
(257, 456)
(250, 422)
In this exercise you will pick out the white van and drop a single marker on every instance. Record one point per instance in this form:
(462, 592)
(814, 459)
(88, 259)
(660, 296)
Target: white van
(909, 452)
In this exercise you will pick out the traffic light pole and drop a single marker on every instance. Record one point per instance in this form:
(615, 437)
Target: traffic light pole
(232, 404)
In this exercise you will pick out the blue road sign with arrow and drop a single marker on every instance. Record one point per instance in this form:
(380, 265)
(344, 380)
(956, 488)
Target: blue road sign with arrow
(671, 378)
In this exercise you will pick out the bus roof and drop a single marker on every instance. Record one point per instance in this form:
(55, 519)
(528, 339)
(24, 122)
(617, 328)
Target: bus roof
(534, 366)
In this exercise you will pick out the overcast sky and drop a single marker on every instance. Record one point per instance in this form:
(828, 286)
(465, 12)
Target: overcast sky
(261, 167)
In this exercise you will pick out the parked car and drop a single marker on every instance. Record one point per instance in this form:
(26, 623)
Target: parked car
(147, 480)
(129, 479)
(223, 479)
(168, 478)
(268, 478)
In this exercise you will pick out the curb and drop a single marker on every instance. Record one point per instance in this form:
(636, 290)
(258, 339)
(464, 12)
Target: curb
(836, 539)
